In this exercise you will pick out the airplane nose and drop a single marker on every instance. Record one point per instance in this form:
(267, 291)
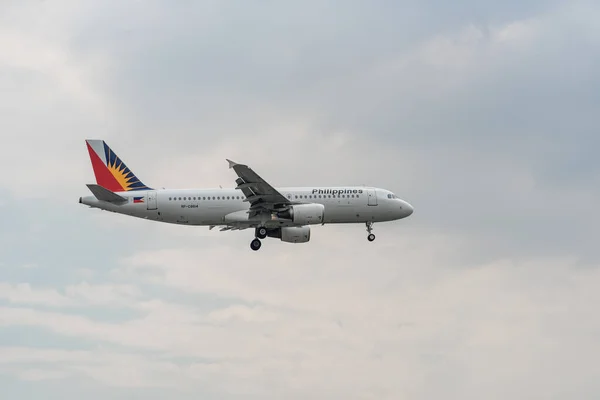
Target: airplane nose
(407, 209)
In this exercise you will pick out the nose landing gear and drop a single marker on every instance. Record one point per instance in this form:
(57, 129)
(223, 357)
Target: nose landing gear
(371, 236)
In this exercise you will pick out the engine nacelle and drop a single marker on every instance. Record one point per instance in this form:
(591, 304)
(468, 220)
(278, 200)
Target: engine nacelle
(295, 234)
(304, 214)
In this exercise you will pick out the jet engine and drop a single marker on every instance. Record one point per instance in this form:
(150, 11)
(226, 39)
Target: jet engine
(304, 214)
(291, 234)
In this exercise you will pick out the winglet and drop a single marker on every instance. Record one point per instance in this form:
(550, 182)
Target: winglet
(231, 163)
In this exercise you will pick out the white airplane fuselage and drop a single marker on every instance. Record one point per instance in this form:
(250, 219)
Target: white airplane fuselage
(216, 206)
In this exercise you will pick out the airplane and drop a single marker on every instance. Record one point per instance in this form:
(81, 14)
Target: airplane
(285, 213)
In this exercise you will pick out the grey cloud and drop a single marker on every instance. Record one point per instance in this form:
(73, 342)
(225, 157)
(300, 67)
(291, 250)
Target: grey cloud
(204, 62)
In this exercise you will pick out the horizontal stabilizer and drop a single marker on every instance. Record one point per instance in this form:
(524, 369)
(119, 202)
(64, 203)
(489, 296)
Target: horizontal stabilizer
(104, 194)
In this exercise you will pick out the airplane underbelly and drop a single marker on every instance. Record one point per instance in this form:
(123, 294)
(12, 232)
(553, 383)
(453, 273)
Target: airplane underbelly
(200, 215)
(186, 214)
(342, 214)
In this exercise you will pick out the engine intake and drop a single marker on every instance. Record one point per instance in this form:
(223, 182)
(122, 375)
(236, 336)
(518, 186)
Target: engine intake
(304, 214)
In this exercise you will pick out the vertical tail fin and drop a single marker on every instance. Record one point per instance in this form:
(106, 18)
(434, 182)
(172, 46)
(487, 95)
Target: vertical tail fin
(111, 173)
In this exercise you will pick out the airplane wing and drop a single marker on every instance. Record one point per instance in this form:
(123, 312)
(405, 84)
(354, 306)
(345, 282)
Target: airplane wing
(261, 196)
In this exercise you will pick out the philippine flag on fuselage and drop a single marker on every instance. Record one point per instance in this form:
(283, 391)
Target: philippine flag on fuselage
(138, 199)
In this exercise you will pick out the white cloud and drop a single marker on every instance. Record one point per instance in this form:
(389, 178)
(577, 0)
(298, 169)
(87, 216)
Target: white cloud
(85, 293)
(454, 51)
(110, 368)
(409, 320)
(23, 293)
(36, 374)
(80, 295)
(519, 33)
(242, 313)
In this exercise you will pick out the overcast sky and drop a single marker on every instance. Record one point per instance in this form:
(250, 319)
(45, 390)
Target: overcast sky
(482, 114)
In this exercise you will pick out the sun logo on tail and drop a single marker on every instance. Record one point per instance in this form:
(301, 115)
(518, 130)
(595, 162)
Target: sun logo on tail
(121, 172)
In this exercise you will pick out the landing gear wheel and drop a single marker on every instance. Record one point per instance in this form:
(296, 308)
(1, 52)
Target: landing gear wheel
(261, 232)
(371, 237)
(255, 244)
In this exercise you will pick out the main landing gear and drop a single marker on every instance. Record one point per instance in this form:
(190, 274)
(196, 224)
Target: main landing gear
(260, 233)
(370, 237)
(255, 244)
